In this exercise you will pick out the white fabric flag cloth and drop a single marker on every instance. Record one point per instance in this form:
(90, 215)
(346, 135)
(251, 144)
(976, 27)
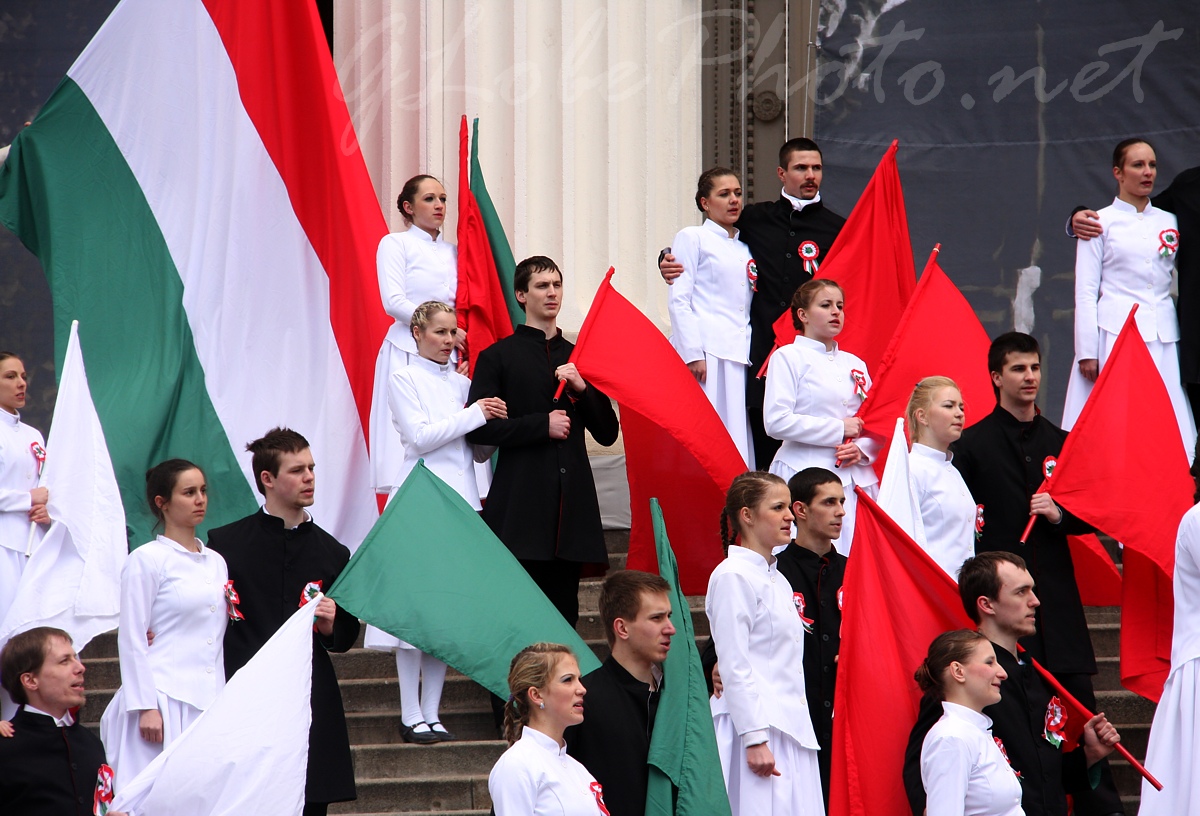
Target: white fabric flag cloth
(896, 494)
(73, 578)
(248, 753)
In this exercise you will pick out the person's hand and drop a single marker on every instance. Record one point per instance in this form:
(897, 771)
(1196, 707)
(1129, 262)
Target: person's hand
(39, 514)
(669, 268)
(149, 637)
(39, 495)
(699, 370)
(6, 728)
(326, 612)
(761, 760)
(1090, 369)
(460, 340)
(848, 453)
(1099, 739)
(568, 372)
(1086, 224)
(560, 425)
(1042, 505)
(718, 686)
(853, 426)
(150, 724)
(463, 368)
(493, 408)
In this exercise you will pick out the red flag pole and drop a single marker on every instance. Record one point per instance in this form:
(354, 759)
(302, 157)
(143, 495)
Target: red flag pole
(1121, 749)
(1028, 529)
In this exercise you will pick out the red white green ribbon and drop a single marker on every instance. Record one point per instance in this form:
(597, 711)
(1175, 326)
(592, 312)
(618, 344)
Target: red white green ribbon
(1056, 722)
(978, 522)
(39, 453)
(1004, 753)
(231, 603)
(1168, 242)
(311, 590)
(752, 274)
(809, 251)
(1048, 465)
(598, 791)
(798, 600)
(860, 383)
(104, 791)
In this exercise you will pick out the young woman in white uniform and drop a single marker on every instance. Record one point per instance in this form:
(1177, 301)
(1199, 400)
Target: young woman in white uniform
(764, 733)
(814, 389)
(1129, 263)
(414, 266)
(174, 587)
(963, 768)
(428, 406)
(936, 415)
(536, 776)
(709, 303)
(22, 501)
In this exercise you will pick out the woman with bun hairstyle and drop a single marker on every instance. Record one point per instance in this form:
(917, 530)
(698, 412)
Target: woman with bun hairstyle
(536, 776)
(963, 768)
(814, 390)
(764, 732)
(709, 302)
(177, 588)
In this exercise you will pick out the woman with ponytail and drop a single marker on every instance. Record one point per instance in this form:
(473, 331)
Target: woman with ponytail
(764, 733)
(536, 776)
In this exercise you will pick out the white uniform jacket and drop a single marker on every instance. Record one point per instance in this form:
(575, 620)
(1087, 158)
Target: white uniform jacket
(810, 390)
(709, 303)
(963, 769)
(18, 476)
(537, 777)
(759, 636)
(947, 509)
(413, 268)
(427, 402)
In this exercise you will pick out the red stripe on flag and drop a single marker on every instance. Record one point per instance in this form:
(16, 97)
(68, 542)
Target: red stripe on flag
(290, 90)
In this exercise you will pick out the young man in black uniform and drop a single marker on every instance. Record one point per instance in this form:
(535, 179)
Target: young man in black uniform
(997, 593)
(789, 239)
(1002, 459)
(276, 557)
(613, 740)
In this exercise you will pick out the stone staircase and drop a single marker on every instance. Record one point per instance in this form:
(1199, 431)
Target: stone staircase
(450, 779)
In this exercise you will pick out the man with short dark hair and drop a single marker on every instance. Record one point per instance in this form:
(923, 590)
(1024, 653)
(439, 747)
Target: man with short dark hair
(997, 593)
(278, 558)
(613, 740)
(52, 765)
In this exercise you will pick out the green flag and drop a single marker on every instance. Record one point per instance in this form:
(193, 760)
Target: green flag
(502, 255)
(685, 768)
(432, 573)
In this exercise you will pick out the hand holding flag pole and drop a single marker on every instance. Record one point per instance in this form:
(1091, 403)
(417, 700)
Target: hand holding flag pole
(1048, 465)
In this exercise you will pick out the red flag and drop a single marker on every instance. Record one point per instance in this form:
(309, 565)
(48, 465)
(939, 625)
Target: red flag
(1096, 575)
(897, 600)
(676, 447)
(937, 334)
(1127, 437)
(482, 312)
(872, 259)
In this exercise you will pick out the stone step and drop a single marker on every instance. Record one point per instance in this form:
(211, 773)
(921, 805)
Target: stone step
(439, 794)
(446, 759)
(383, 726)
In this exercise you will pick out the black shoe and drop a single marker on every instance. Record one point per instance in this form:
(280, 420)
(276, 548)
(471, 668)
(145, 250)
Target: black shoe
(418, 737)
(442, 733)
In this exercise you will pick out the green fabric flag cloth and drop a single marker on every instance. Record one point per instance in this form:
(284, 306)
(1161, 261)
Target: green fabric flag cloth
(685, 768)
(502, 255)
(433, 574)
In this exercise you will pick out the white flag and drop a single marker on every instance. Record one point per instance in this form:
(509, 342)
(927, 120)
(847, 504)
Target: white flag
(896, 495)
(73, 578)
(248, 753)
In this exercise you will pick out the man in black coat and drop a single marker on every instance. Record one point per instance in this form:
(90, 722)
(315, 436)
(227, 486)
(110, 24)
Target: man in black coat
(52, 765)
(997, 593)
(277, 557)
(613, 740)
(775, 232)
(1003, 459)
(542, 503)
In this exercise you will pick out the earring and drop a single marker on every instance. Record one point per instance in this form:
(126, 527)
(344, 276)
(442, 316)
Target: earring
(542, 706)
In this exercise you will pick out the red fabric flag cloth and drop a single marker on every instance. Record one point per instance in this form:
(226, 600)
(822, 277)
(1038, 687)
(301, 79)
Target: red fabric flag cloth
(482, 311)
(676, 448)
(1127, 435)
(937, 334)
(896, 601)
(872, 260)
(1096, 575)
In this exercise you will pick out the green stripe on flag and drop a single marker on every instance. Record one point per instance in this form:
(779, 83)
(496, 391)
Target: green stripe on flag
(70, 196)
(506, 265)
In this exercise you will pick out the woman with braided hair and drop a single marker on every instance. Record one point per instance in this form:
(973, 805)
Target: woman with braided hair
(764, 733)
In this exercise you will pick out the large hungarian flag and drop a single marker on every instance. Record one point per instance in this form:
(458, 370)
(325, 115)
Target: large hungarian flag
(676, 447)
(482, 309)
(502, 255)
(872, 260)
(1111, 445)
(196, 195)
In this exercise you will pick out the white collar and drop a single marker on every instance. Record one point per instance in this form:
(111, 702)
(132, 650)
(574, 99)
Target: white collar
(932, 453)
(175, 545)
(543, 741)
(970, 715)
(417, 232)
(713, 226)
(431, 366)
(13, 419)
(739, 553)
(815, 345)
(307, 516)
(800, 203)
(1126, 207)
(62, 722)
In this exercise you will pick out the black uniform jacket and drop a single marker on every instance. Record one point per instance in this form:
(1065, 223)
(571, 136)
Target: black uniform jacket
(46, 770)
(1183, 199)
(542, 503)
(270, 566)
(1019, 720)
(613, 740)
(1001, 459)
